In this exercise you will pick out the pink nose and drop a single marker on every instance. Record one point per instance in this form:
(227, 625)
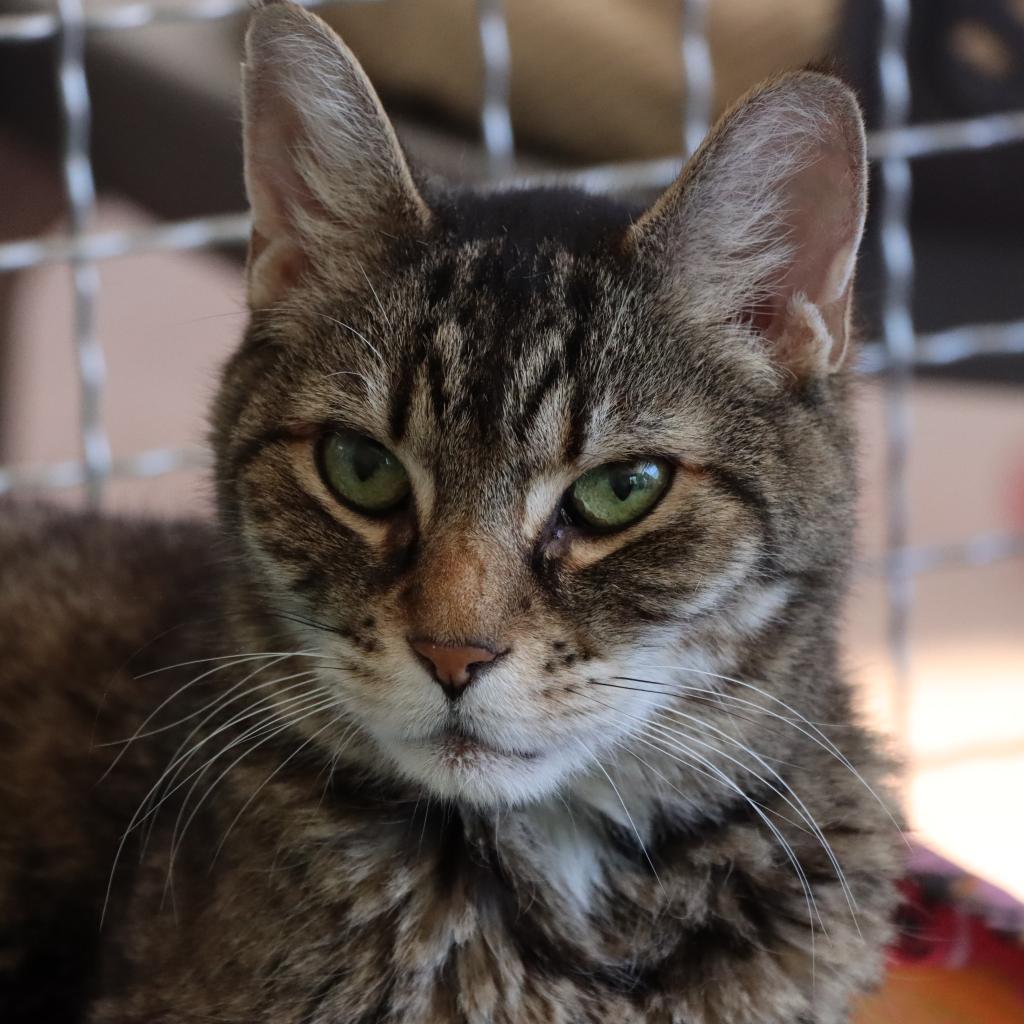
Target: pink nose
(453, 665)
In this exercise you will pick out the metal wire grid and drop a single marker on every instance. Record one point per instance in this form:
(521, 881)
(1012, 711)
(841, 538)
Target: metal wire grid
(892, 146)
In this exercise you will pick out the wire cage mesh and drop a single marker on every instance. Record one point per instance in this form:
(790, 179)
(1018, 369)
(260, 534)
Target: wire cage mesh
(892, 145)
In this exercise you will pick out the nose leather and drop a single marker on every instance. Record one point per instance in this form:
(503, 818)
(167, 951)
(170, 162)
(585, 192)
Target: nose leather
(453, 664)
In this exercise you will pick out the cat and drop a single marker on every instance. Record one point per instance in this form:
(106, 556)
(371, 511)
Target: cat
(506, 687)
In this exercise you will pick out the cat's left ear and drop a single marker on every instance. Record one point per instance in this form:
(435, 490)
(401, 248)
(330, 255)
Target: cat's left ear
(328, 183)
(764, 223)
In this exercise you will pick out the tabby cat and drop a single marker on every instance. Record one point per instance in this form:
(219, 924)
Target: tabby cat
(506, 688)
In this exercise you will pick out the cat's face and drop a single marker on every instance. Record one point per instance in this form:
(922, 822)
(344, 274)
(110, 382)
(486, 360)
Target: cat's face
(505, 464)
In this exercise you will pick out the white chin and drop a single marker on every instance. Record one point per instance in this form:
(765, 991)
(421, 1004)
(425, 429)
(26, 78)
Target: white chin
(477, 775)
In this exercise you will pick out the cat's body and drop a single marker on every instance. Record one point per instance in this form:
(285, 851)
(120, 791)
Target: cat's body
(652, 804)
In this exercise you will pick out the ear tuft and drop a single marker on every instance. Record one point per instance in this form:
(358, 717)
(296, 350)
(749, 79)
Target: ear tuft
(327, 181)
(763, 225)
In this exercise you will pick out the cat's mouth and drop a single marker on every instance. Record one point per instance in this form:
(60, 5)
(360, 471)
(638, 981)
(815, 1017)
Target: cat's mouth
(455, 762)
(456, 744)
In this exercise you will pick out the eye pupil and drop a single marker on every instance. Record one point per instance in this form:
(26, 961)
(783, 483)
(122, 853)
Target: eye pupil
(365, 462)
(622, 484)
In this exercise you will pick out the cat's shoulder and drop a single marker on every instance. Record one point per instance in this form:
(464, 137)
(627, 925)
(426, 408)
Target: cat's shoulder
(47, 545)
(78, 578)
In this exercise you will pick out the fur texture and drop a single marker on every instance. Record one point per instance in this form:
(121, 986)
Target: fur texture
(656, 805)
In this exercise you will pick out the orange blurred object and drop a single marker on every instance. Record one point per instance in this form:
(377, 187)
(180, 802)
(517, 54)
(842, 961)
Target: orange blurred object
(936, 995)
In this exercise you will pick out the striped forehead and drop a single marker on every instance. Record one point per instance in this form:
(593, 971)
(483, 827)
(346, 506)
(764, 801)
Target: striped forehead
(488, 355)
(494, 357)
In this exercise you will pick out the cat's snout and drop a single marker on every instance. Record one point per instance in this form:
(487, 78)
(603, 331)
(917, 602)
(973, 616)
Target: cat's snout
(453, 666)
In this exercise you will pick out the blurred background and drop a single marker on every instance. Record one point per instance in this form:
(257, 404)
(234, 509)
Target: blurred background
(121, 231)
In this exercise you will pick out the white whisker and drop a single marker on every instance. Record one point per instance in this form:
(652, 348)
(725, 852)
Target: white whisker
(359, 334)
(666, 747)
(139, 817)
(270, 704)
(231, 660)
(796, 804)
(815, 732)
(380, 305)
(179, 831)
(629, 817)
(792, 800)
(180, 721)
(259, 789)
(735, 787)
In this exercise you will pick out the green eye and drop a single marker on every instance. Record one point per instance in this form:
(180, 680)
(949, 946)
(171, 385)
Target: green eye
(363, 473)
(619, 493)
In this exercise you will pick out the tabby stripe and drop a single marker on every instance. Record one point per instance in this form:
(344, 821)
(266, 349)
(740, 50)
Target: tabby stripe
(377, 1014)
(533, 402)
(702, 955)
(542, 956)
(315, 508)
(580, 299)
(439, 283)
(298, 496)
(747, 493)
(401, 396)
(435, 374)
(313, 581)
(489, 396)
(579, 413)
(242, 456)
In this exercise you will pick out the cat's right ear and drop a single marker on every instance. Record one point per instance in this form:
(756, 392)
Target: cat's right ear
(327, 181)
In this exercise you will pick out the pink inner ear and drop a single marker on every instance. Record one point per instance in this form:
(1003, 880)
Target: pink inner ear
(277, 191)
(276, 186)
(823, 229)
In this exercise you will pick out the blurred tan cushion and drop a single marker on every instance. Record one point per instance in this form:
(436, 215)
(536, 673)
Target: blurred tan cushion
(591, 79)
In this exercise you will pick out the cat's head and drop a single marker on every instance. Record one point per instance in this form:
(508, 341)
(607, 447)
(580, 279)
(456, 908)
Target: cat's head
(500, 458)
